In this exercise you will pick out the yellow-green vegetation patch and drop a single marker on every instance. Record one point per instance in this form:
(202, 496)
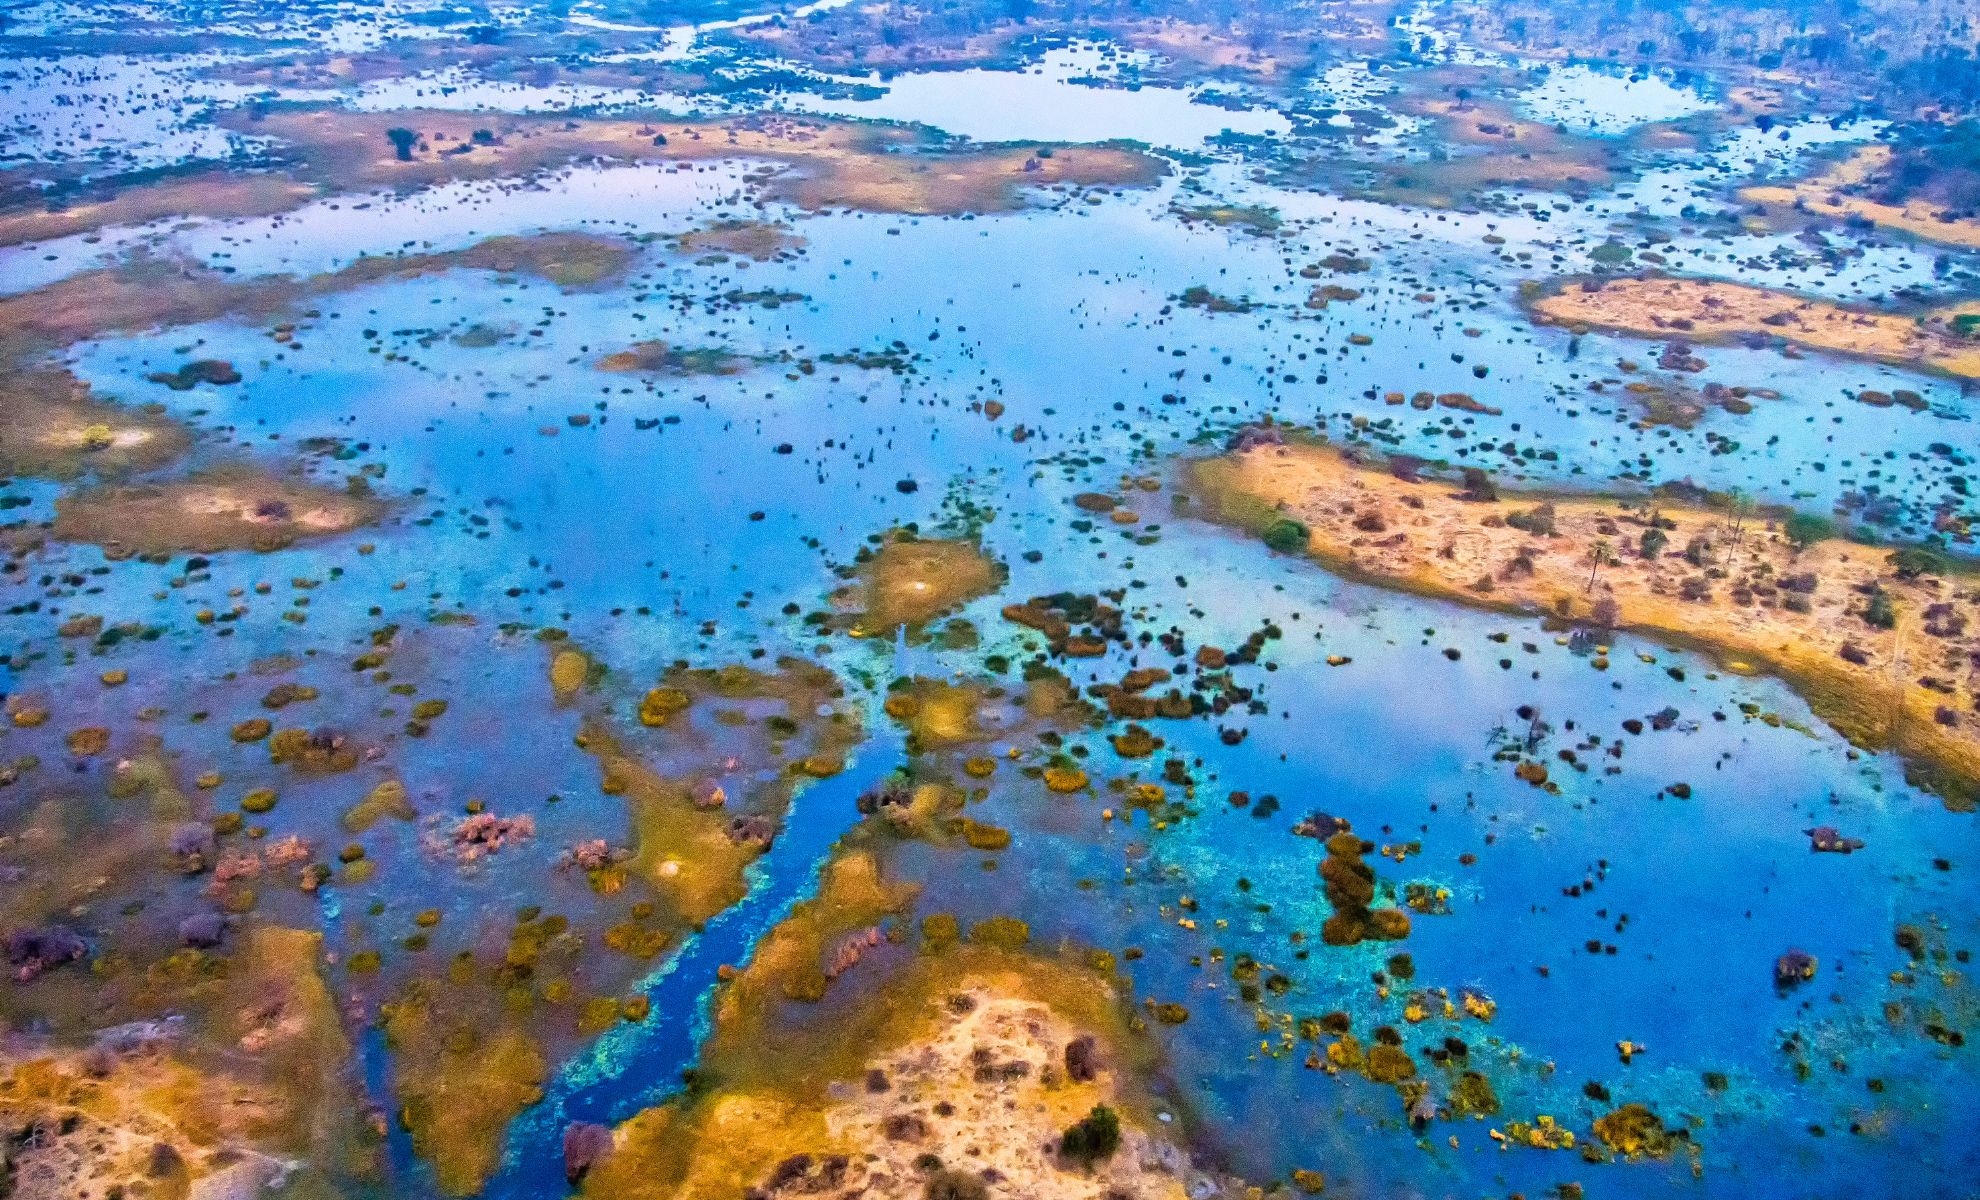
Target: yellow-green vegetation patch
(944, 1009)
(691, 838)
(908, 580)
(758, 240)
(459, 1083)
(388, 799)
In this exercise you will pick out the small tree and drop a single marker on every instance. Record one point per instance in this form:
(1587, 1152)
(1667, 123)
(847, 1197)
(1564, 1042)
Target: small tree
(1538, 520)
(1805, 529)
(402, 142)
(1653, 542)
(1913, 561)
(1741, 509)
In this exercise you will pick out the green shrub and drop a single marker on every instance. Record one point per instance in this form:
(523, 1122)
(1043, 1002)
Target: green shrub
(1000, 933)
(1880, 611)
(1913, 561)
(1537, 521)
(1093, 1137)
(1286, 535)
(1805, 529)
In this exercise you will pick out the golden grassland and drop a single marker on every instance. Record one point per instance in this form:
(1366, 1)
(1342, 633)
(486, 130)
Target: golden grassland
(1702, 310)
(689, 727)
(149, 293)
(1496, 147)
(54, 427)
(762, 241)
(1203, 47)
(1829, 195)
(684, 852)
(834, 163)
(1906, 688)
(909, 581)
(878, 168)
(219, 194)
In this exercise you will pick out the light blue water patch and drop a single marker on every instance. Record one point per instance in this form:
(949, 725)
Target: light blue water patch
(1053, 100)
(1607, 101)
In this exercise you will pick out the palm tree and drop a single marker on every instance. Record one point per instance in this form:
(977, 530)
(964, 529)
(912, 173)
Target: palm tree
(1599, 555)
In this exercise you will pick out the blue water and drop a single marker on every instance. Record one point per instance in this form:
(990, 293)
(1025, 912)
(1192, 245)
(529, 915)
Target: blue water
(709, 535)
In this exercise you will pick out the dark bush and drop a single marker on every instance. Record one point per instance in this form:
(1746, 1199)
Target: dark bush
(954, 1185)
(1880, 611)
(1537, 521)
(1913, 561)
(1093, 1137)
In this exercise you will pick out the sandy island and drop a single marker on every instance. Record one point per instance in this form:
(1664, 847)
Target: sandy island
(835, 163)
(240, 508)
(1884, 658)
(55, 427)
(1700, 310)
(1830, 195)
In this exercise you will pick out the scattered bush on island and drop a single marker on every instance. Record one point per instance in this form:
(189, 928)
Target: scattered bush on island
(1805, 529)
(1880, 611)
(1913, 561)
(1286, 535)
(1093, 1137)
